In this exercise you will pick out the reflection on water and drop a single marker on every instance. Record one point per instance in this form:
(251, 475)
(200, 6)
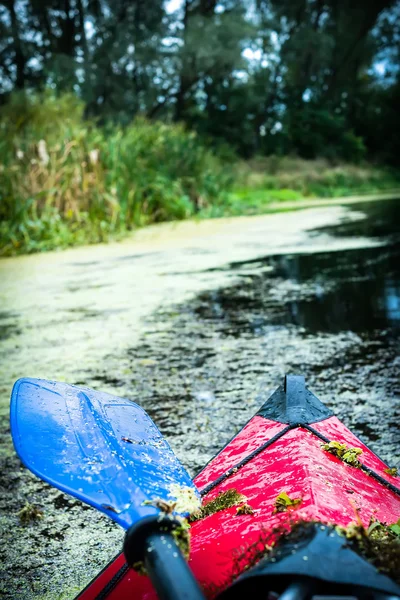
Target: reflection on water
(352, 290)
(382, 220)
(356, 290)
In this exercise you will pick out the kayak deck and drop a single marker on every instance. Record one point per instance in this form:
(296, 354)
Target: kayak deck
(278, 450)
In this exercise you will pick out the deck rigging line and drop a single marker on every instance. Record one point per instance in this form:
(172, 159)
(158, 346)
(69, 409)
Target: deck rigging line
(205, 490)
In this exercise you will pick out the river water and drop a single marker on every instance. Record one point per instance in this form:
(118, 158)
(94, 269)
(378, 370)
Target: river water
(194, 321)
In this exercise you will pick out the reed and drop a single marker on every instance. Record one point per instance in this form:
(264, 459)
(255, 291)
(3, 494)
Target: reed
(66, 181)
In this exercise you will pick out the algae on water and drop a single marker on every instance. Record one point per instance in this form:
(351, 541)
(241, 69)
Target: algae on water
(29, 513)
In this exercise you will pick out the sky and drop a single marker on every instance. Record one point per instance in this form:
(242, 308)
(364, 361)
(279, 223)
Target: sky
(172, 5)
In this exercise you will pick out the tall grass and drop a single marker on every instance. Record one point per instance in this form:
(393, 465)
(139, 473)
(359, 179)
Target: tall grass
(65, 181)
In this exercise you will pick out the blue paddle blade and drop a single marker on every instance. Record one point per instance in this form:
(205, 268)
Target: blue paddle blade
(104, 450)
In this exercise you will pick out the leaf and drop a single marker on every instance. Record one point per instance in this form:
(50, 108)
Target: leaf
(283, 502)
(373, 526)
(391, 471)
(395, 528)
(350, 456)
(283, 497)
(244, 509)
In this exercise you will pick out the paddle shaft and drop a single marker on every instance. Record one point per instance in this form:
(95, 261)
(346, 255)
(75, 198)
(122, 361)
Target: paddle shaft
(168, 570)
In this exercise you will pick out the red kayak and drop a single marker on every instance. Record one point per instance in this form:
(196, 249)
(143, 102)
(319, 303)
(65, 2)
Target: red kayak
(287, 465)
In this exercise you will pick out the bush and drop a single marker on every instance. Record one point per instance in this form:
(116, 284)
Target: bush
(65, 181)
(316, 132)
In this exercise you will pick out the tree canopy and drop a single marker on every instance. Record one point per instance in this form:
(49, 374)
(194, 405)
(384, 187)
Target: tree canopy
(312, 77)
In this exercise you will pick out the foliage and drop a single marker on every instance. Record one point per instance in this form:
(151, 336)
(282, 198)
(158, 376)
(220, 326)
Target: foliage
(64, 180)
(245, 509)
(265, 184)
(30, 513)
(318, 79)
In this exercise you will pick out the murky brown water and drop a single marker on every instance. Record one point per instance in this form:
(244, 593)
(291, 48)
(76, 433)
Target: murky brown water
(192, 321)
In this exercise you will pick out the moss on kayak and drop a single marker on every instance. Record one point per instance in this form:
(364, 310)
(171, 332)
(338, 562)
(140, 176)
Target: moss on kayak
(343, 452)
(224, 500)
(244, 509)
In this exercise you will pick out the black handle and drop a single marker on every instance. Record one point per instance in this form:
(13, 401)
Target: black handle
(168, 570)
(151, 542)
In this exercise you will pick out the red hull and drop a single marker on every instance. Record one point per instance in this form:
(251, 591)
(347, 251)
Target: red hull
(331, 492)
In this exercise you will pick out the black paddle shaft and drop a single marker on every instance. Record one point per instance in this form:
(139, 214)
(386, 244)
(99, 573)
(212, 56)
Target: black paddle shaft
(168, 570)
(151, 542)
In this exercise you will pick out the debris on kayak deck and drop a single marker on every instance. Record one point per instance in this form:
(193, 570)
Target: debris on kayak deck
(244, 509)
(165, 507)
(224, 500)
(283, 502)
(379, 544)
(391, 471)
(186, 500)
(347, 455)
(306, 550)
(30, 513)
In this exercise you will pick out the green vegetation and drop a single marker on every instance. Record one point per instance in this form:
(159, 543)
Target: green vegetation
(379, 543)
(343, 452)
(224, 500)
(283, 502)
(66, 181)
(244, 509)
(391, 471)
(117, 114)
(30, 513)
(316, 79)
(265, 181)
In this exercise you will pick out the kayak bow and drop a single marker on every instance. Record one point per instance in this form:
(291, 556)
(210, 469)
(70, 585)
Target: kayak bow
(299, 469)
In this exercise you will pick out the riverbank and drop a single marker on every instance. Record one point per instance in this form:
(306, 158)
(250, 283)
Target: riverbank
(271, 184)
(263, 203)
(55, 206)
